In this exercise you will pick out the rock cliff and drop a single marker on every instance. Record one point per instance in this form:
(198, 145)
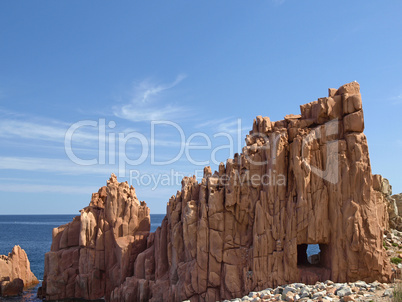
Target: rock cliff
(95, 253)
(15, 273)
(303, 180)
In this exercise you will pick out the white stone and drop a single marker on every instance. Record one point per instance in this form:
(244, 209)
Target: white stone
(343, 291)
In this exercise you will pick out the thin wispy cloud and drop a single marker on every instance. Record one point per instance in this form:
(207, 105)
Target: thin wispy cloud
(8, 113)
(20, 133)
(61, 166)
(227, 125)
(147, 90)
(397, 99)
(20, 127)
(278, 2)
(36, 188)
(146, 103)
(50, 147)
(21, 130)
(67, 167)
(12, 128)
(213, 123)
(232, 127)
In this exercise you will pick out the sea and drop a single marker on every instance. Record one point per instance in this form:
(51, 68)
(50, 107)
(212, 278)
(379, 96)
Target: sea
(34, 234)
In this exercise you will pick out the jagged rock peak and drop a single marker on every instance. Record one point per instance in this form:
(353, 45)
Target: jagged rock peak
(94, 253)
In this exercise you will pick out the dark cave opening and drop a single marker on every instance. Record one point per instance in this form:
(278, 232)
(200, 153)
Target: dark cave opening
(309, 254)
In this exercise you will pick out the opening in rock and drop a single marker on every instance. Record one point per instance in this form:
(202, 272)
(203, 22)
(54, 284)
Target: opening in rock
(308, 254)
(314, 262)
(313, 254)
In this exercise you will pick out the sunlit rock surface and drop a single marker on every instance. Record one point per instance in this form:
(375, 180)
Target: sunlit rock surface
(15, 273)
(303, 180)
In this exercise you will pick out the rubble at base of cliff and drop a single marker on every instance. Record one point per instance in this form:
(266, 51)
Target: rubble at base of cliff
(325, 291)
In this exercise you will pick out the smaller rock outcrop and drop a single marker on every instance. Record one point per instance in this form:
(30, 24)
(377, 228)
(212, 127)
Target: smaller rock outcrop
(398, 202)
(393, 202)
(11, 288)
(15, 273)
(96, 252)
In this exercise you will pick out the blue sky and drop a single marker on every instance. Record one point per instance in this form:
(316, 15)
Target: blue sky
(200, 64)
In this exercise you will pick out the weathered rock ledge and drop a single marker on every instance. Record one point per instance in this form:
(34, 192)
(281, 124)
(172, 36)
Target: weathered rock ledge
(15, 273)
(299, 181)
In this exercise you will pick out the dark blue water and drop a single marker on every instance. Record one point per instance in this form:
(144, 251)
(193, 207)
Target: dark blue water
(34, 234)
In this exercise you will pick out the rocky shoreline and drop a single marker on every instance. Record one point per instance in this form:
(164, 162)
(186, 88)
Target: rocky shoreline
(327, 291)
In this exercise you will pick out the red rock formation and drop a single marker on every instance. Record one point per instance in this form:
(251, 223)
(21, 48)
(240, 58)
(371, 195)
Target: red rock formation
(94, 253)
(302, 180)
(15, 273)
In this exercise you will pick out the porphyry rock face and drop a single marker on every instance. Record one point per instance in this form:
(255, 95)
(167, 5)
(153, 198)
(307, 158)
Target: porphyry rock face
(94, 253)
(15, 273)
(302, 180)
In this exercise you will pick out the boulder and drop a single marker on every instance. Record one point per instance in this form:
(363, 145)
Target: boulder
(15, 273)
(11, 288)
